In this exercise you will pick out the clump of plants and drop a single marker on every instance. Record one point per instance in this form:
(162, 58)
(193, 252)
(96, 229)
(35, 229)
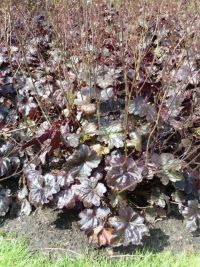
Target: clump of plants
(99, 113)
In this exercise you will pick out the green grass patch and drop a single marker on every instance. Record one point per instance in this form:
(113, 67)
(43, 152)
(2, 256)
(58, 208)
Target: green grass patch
(14, 253)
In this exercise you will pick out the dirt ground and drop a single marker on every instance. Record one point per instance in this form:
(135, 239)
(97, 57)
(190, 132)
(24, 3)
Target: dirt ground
(56, 233)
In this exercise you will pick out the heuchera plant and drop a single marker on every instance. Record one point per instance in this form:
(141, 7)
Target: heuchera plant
(114, 138)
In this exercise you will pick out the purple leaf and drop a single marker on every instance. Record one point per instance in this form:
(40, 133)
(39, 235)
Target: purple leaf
(25, 207)
(90, 191)
(141, 108)
(169, 167)
(8, 160)
(64, 179)
(5, 147)
(5, 166)
(92, 218)
(82, 162)
(105, 81)
(128, 227)
(122, 173)
(150, 170)
(5, 201)
(26, 105)
(72, 139)
(66, 198)
(191, 213)
(42, 188)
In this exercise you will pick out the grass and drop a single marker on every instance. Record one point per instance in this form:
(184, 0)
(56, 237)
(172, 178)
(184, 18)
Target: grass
(14, 253)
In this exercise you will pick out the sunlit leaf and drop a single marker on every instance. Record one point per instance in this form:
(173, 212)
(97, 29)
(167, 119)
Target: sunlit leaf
(191, 213)
(82, 161)
(92, 218)
(26, 105)
(90, 191)
(122, 173)
(88, 109)
(63, 178)
(112, 135)
(5, 166)
(66, 198)
(25, 207)
(42, 187)
(169, 167)
(105, 81)
(128, 227)
(135, 141)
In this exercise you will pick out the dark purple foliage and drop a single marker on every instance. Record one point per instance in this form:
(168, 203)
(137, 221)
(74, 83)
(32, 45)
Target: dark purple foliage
(82, 162)
(191, 212)
(122, 173)
(93, 218)
(129, 227)
(5, 201)
(105, 123)
(141, 108)
(90, 191)
(42, 187)
(66, 198)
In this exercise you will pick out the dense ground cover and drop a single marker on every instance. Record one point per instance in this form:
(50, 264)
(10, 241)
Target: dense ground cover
(100, 112)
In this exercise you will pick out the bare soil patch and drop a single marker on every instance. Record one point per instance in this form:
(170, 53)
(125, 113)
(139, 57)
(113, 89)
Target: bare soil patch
(56, 233)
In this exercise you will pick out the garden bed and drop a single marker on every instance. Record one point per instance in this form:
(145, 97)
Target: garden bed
(100, 123)
(57, 233)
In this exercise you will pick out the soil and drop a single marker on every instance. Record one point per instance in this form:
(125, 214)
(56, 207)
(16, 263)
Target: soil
(56, 233)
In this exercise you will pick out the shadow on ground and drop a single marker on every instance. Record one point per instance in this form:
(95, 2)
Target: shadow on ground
(53, 231)
(157, 241)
